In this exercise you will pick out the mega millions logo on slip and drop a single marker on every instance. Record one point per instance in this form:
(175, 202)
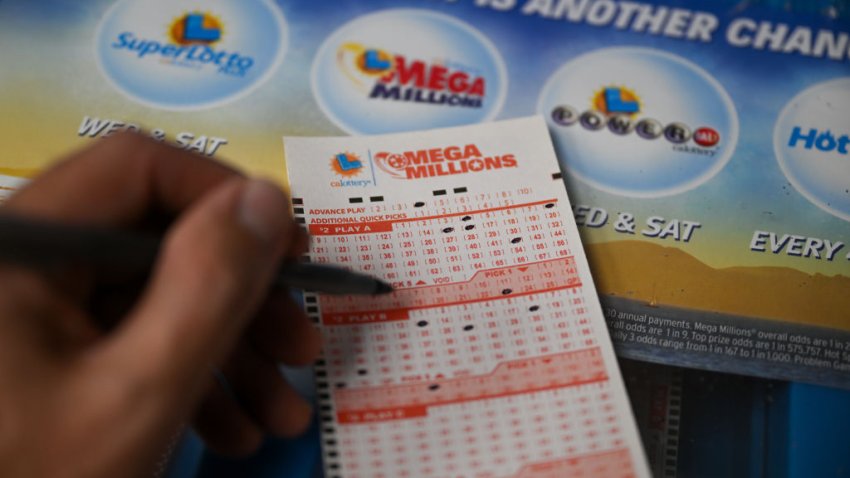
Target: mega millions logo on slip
(403, 69)
(174, 55)
(811, 140)
(442, 161)
(639, 122)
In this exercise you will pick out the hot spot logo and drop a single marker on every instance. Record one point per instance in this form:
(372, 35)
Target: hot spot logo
(823, 141)
(811, 140)
(445, 161)
(179, 57)
(394, 77)
(653, 125)
(348, 166)
(401, 70)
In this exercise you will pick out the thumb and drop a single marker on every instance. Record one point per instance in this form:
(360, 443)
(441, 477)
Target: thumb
(214, 269)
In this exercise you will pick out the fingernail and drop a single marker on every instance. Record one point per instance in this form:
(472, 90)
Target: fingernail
(264, 209)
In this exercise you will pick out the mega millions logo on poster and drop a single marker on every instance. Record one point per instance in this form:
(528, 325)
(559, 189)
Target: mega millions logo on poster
(401, 70)
(179, 54)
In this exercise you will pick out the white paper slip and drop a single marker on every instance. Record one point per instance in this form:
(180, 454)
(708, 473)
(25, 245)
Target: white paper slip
(491, 358)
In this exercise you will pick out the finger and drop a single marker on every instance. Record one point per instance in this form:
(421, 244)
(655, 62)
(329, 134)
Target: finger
(118, 181)
(109, 303)
(283, 332)
(36, 320)
(300, 243)
(224, 426)
(268, 398)
(215, 267)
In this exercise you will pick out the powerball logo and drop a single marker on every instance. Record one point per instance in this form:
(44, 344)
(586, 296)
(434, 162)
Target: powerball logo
(172, 55)
(348, 169)
(449, 160)
(618, 108)
(639, 122)
(407, 69)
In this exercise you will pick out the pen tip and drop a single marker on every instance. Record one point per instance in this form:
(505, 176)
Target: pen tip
(382, 287)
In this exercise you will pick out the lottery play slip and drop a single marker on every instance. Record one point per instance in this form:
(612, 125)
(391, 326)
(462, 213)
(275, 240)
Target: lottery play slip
(491, 358)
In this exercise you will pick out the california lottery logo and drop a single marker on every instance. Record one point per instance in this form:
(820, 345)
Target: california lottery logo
(442, 161)
(347, 166)
(639, 122)
(170, 54)
(617, 100)
(202, 28)
(369, 78)
(811, 140)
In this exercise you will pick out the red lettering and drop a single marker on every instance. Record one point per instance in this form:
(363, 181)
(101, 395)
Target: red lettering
(414, 72)
(458, 82)
(417, 172)
(471, 151)
(417, 157)
(477, 87)
(437, 78)
(453, 152)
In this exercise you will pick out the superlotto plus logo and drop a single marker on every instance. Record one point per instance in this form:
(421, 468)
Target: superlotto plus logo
(401, 70)
(639, 122)
(169, 54)
(811, 140)
(192, 45)
(443, 161)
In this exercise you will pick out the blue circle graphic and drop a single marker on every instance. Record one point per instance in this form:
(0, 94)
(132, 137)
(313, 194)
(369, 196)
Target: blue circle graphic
(406, 69)
(639, 122)
(171, 54)
(811, 140)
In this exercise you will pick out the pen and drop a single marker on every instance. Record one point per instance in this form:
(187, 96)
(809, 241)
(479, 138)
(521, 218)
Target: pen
(116, 253)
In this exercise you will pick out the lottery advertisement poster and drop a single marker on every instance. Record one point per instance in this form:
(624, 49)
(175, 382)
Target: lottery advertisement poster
(704, 145)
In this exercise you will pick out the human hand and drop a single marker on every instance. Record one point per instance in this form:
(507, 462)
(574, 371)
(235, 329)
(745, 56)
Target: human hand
(96, 377)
